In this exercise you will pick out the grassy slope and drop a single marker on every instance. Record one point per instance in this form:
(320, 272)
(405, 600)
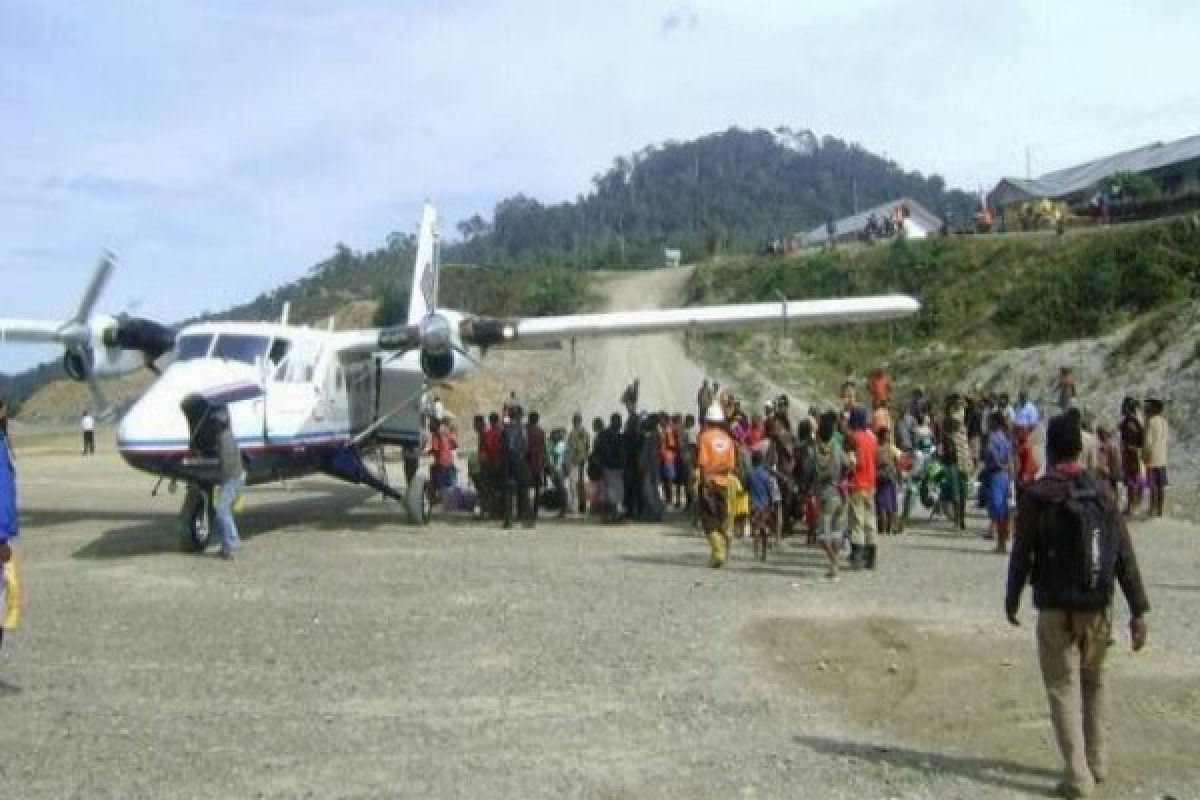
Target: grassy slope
(978, 294)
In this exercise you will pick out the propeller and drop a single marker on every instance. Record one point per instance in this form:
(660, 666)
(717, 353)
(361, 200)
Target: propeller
(81, 334)
(436, 339)
(75, 335)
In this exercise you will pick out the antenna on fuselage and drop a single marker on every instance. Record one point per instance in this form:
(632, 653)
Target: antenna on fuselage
(287, 310)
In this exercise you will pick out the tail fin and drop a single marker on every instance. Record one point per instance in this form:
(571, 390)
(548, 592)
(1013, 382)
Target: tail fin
(423, 298)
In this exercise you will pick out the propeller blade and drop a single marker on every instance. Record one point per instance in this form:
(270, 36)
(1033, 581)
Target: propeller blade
(104, 411)
(94, 288)
(462, 351)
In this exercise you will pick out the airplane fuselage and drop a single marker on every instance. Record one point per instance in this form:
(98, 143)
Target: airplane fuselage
(296, 396)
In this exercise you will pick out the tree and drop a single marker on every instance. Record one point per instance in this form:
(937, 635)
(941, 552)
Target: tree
(1130, 186)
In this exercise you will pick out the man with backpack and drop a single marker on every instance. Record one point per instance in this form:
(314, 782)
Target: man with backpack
(1072, 541)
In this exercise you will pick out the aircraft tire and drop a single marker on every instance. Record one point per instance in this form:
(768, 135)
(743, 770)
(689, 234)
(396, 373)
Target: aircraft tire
(416, 501)
(197, 520)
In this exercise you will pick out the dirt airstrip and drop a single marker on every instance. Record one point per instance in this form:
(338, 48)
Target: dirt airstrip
(345, 655)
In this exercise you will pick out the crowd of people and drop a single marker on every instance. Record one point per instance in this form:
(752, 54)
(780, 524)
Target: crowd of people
(843, 475)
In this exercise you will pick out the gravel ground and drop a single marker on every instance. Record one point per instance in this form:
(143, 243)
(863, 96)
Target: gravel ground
(344, 655)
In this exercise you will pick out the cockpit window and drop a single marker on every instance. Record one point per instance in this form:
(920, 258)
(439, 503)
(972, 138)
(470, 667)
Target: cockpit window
(240, 347)
(192, 346)
(279, 349)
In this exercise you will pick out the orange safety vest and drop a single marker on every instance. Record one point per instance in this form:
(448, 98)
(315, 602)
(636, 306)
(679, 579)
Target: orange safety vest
(716, 455)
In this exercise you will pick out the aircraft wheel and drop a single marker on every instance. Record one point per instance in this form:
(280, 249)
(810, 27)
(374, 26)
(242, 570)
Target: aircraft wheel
(417, 503)
(198, 520)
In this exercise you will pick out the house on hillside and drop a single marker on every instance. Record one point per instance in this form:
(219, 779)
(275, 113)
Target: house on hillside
(1174, 167)
(918, 222)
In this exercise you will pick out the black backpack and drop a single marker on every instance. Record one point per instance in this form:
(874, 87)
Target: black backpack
(1081, 548)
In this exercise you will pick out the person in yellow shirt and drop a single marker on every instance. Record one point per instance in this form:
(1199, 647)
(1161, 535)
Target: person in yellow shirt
(716, 459)
(1155, 453)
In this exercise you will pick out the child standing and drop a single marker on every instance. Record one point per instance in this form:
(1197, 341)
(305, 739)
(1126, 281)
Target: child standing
(887, 479)
(763, 491)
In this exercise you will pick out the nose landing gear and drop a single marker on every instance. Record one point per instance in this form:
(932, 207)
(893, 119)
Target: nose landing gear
(197, 518)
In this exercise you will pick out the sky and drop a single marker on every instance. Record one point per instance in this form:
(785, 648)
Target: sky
(220, 147)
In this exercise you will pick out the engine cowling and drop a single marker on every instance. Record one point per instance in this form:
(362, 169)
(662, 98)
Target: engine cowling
(438, 366)
(78, 363)
(437, 341)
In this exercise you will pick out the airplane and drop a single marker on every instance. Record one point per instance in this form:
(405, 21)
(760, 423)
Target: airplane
(306, 400)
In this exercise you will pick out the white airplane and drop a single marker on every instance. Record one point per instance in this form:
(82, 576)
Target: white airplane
(303, 400)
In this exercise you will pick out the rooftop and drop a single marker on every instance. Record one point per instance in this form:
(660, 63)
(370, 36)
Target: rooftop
(1084, 176)
(855, 223)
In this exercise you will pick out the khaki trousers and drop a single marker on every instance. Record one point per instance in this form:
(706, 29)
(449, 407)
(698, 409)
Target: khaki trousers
(861, 505)
(1072, 646)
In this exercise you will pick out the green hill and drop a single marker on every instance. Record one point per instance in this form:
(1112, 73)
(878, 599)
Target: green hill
(727, 191)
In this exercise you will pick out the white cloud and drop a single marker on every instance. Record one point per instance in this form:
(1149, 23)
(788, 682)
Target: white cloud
(222, 147)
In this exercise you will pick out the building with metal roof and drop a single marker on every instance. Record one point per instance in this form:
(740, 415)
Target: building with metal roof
(1173, 166)
(920, 222)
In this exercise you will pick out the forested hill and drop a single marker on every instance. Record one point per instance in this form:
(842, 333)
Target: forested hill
(726, 191)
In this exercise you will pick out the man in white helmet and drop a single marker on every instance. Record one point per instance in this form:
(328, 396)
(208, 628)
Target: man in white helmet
(716, 459)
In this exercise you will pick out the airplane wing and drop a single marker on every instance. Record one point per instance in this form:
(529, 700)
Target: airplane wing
(524, 332)
(29, 330)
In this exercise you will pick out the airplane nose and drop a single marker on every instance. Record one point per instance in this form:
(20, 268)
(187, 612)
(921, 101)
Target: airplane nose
(154, 423)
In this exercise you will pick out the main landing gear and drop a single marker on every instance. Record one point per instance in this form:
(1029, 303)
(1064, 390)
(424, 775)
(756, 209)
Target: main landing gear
(348, 465)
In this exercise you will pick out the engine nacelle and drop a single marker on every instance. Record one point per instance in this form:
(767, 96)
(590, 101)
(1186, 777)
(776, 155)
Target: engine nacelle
(78, 363)
(441, 348)
(438, 366)
(101, 357)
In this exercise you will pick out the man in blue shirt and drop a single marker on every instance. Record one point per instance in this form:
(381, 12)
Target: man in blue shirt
(8, 522)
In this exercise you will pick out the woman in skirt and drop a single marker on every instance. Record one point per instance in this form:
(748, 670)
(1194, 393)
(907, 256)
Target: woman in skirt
(887, 479)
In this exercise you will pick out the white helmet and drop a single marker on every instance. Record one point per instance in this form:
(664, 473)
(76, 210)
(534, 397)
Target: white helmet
(714, 414)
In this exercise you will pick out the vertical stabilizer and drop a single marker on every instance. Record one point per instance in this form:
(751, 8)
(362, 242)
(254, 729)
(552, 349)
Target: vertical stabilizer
(423, 297)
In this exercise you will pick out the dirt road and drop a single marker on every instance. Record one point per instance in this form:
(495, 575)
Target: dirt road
(668, 378)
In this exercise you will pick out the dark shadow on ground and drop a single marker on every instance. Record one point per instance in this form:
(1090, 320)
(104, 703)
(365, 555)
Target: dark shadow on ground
(50, 517)
(9, 689)
(1037, 781)
(160, 533)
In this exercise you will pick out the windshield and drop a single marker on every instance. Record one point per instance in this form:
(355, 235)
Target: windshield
(240, 347)
(193, 346)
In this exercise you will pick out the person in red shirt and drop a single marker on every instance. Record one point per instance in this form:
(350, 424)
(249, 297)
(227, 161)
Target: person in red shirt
(490, 466)
(442, 445)
(1027, 463)
(879, 386)
(535, 457)
(862, 457)
(757, 431)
